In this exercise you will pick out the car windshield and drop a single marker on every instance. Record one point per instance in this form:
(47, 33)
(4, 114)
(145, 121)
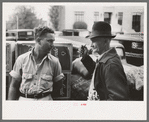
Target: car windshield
(25, 34)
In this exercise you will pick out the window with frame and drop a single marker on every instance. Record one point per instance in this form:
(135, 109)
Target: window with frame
(136, 19)
(107, 17)
(96, 16)
(79, 16)
(120, 18)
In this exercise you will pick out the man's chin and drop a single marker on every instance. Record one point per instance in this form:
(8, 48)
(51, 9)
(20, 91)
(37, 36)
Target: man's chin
(47, 51)
(94, 51)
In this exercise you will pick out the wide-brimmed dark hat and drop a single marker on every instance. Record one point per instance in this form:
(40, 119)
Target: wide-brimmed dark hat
(101, 29)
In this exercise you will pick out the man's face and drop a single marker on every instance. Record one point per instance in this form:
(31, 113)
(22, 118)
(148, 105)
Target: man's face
(98, 45)
(47, 42)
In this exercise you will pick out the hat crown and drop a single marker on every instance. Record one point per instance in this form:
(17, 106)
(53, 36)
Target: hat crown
(102, 27)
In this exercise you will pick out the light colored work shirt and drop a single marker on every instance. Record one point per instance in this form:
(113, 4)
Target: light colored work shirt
(36, 78)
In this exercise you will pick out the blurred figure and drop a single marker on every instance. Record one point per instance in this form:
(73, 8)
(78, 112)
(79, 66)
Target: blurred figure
(37, 74)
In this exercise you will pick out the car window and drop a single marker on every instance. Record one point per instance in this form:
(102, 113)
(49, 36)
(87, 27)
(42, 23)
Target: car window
(25, 35)
(10, 34)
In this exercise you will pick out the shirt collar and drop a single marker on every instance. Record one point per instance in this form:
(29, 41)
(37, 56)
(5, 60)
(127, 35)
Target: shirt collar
(96, 57)
(32, 52)
(104, 53)
(100, 56)
(107, 55)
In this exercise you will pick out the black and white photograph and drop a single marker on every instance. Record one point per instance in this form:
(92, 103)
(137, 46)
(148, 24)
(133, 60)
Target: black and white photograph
(68, 60)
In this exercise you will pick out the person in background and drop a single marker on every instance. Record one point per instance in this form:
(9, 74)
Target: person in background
(109, 81)
(37, 74)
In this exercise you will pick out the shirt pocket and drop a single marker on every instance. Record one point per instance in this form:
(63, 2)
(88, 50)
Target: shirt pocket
(46, 77)
(26, 81)
(27, 76)
(46, 81)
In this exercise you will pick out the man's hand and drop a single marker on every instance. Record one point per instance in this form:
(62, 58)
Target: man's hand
(57, 86)
(83, 51)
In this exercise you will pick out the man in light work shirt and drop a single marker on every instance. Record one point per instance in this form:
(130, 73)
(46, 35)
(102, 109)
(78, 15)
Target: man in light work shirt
(36, 74)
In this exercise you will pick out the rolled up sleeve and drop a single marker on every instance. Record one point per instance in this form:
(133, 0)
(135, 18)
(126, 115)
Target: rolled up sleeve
(15, 75)
(59, 77)
(17, 69)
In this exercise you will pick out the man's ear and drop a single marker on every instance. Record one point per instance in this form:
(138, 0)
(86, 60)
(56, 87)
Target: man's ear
(107, 40)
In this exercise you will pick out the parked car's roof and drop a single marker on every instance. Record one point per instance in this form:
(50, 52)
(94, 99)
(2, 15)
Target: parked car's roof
(20, 30)
(77, 39)
(58, 40)
(128, 38)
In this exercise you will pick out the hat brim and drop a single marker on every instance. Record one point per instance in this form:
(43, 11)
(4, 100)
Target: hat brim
(94, 36)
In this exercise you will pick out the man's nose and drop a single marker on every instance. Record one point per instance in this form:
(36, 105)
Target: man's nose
(51, 44)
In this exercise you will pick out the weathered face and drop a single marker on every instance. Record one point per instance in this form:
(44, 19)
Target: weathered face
(98, 45)
(46, 42)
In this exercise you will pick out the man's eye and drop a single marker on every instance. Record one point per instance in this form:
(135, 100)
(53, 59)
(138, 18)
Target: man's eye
(50, 40)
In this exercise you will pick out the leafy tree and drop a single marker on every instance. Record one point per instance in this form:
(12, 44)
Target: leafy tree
(79, 25)
(26, 18)
(54, 14)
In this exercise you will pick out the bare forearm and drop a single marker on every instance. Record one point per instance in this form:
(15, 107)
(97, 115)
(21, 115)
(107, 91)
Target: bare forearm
(13, 93)
(58, 85)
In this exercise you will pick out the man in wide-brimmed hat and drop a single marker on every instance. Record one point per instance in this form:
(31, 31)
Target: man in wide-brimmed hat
(108, 78)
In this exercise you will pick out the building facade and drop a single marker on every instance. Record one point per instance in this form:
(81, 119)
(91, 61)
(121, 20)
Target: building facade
(127, 19)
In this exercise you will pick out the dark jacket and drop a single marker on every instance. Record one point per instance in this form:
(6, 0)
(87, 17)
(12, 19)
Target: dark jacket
(110, 80)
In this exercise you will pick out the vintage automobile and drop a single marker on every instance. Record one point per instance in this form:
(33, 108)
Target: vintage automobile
(75, 32)
(10, 36)
(134, 47)
(20, 34)
(75, 87)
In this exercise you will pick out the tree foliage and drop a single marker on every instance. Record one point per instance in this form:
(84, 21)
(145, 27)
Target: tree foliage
(26, 18)
(79, 25)
(54, 14)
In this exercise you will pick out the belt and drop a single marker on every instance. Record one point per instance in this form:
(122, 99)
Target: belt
(40, 95)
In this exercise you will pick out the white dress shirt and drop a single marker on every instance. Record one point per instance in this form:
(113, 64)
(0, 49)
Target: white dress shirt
(92, 94)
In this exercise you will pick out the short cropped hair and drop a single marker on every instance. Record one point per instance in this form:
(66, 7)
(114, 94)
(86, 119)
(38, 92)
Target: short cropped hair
(40, 31)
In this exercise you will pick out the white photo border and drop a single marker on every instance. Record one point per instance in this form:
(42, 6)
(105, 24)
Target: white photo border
(72, 110)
